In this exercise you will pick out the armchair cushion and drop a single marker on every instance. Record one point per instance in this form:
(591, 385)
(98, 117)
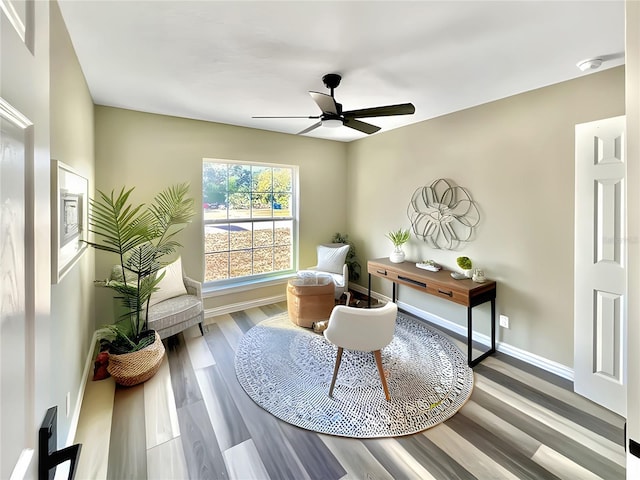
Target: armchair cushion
(332, 259)
(173, 312)
(171, 285)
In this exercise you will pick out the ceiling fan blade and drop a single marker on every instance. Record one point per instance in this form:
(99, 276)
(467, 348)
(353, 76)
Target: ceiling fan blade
(316, 116)
(388, 110)
(312, 127)
(326, 102)
(360, 126)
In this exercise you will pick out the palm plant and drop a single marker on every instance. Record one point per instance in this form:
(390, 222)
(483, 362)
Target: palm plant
(140, 237)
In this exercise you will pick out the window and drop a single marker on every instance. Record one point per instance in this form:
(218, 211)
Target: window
(249, 220)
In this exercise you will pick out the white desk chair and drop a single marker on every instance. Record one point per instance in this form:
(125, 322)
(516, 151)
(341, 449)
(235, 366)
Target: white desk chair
(362, 329)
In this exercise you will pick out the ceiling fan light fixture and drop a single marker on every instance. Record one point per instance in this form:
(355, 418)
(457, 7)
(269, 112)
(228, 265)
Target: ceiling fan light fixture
(332, 122)
(589, 64)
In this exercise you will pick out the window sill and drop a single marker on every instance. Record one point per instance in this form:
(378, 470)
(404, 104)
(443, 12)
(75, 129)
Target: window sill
(243, 286)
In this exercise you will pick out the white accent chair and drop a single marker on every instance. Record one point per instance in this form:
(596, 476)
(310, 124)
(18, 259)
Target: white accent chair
(362, 329)
(332, 261)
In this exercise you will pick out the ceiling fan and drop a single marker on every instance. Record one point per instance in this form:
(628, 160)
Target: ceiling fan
(333, 116)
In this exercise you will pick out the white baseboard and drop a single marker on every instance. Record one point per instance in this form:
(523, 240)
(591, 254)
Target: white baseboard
(528, 357)
(73, 426)
(536, 360)
(633, 466)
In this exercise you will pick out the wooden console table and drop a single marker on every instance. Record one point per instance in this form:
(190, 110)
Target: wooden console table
(440, 284)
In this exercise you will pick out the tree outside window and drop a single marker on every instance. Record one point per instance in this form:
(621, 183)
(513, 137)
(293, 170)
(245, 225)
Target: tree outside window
(249, 220)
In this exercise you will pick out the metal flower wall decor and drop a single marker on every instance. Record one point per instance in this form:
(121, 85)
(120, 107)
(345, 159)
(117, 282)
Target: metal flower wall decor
(443, 215)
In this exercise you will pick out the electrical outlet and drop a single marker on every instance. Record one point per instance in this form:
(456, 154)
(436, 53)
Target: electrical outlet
(504, 321)
(68, 404)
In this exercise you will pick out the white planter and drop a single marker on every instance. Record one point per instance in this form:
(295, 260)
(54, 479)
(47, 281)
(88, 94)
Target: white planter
(397, 256)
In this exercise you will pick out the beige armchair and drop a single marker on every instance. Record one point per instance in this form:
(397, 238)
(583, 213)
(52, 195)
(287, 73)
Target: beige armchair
(176, 314)
(176, 305)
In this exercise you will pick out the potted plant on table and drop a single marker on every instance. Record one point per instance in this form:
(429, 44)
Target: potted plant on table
(398, 238)
(465, 264)
(140, 237)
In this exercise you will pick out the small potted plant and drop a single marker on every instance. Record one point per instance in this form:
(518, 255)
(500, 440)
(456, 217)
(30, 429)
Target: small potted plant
(466, 265)
(352, 259)
(398, 238)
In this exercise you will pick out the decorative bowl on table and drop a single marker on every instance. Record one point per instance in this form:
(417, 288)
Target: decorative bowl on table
(429, 265)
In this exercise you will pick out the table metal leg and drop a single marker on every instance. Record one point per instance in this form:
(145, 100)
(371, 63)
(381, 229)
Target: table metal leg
(493, 325)
(369, 293)
(469, 336)
(471, 361)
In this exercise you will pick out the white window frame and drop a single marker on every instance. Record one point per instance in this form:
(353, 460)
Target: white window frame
(262, 279)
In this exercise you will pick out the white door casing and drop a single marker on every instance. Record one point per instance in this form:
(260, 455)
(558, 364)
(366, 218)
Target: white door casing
(25, 232)
(600, 265)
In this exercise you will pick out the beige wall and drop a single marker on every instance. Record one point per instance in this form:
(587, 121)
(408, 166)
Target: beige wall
(72, 300)
(152, 152)
(516, 158)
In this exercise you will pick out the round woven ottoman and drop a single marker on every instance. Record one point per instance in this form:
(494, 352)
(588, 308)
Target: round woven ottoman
(310, 298)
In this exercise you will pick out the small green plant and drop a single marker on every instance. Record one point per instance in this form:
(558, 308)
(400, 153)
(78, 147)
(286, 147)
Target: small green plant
(352, 260)
(399, 237)
(464, 263)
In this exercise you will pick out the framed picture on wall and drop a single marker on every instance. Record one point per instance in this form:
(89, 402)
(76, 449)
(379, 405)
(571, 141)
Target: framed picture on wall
(69, 208)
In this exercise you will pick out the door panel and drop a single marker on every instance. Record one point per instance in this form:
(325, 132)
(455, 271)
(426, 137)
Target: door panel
(13, 421)
(600, 264)
(23, 100)
(606, 337)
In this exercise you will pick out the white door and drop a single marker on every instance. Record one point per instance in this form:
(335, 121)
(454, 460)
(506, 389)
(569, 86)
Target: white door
(600, 264)
(23, 144)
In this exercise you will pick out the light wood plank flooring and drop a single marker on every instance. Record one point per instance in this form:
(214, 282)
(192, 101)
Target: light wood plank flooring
(193, 420)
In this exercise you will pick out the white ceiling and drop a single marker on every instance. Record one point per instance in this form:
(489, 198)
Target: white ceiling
(226, 61)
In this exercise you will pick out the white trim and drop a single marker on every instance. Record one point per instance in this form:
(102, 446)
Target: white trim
(528, 357)
(218, 291)
(633, 466)
(24, 460)
(237, 307)
(11, 114)
(73, 426)
(13, 17)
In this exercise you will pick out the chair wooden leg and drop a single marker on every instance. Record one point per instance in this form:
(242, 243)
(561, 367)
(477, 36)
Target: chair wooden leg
(378, 356)
(335, 371)
(201, 331)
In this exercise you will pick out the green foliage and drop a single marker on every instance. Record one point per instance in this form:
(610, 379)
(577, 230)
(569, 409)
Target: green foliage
(244, 185)
(119, 341)
(399, 237)
(464, 263)
(352, 260)
(140, 237)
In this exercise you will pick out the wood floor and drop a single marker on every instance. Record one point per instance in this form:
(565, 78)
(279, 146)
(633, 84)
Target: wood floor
(193, 420)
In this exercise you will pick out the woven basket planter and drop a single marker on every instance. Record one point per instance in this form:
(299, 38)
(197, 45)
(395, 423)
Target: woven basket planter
(129, 369)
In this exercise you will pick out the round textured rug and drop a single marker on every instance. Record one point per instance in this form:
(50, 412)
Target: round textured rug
(287, 370)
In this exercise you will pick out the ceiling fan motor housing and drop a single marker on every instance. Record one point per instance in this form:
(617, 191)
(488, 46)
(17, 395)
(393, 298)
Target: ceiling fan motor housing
(331, 80)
